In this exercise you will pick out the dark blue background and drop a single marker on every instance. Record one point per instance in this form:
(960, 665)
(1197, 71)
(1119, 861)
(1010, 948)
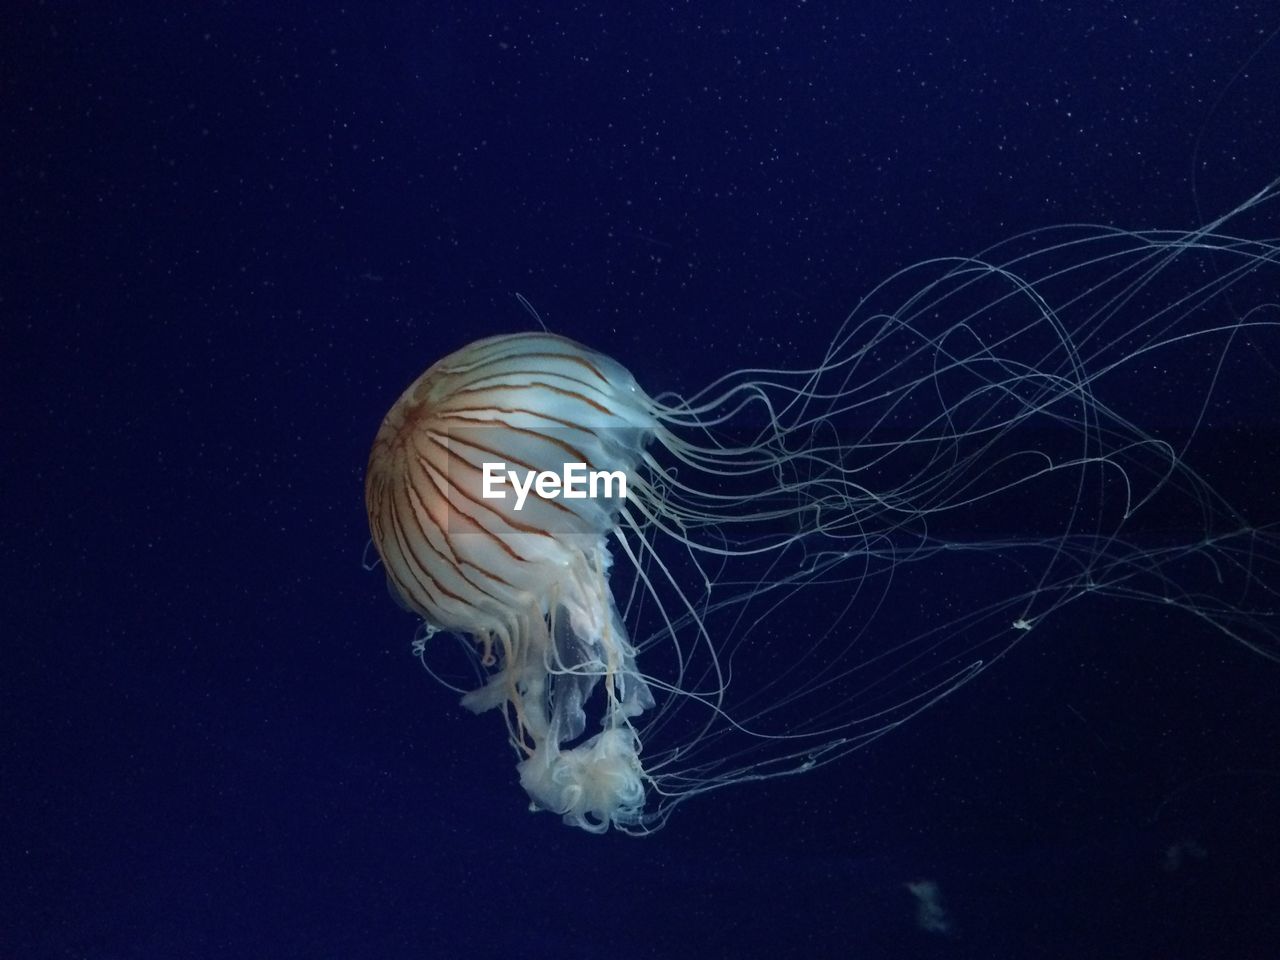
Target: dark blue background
(232, 233)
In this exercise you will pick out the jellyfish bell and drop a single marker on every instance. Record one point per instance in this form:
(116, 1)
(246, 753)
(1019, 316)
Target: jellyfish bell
(966, 460)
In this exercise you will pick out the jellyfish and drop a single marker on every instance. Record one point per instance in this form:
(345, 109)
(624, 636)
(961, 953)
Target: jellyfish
(527, 579)
(623, 569)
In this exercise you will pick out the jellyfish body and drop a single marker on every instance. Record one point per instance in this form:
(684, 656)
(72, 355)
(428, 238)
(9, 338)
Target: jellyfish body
(965, 461)
(529, 586)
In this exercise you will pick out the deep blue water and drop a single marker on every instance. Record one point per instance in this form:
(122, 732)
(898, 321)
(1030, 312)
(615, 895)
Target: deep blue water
(234, 232)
